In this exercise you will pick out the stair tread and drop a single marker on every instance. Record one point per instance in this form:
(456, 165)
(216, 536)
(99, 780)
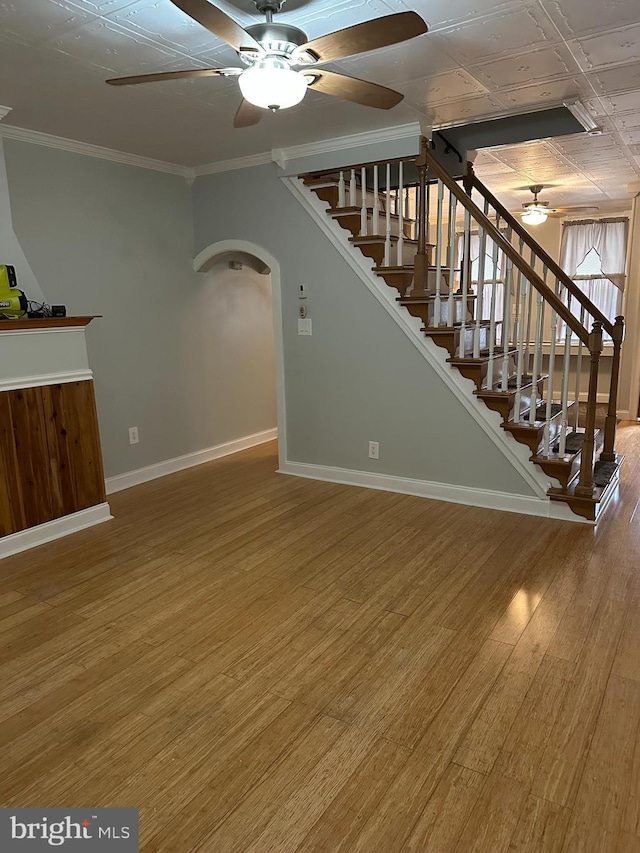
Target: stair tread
(525, 423)
(349, 210)
(497, 391)
(498, 352)
(555, 458)
(380, 238)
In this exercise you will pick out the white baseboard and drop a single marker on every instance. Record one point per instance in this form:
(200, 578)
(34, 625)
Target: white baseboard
(56, 529)
(189, 460)
(486, 498)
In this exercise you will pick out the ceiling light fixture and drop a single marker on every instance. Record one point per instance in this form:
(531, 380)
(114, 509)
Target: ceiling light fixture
(272, 84)
(534, 216)
(580, 112)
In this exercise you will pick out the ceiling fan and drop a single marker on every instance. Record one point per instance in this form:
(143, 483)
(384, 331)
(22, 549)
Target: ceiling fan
(536, 212)
(281, 64)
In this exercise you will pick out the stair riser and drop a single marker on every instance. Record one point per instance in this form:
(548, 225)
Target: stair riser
(506, 405)
(533, 438)
(478, 372)
(375, 251)
(427, 312)
(451, 340)
(352, 221)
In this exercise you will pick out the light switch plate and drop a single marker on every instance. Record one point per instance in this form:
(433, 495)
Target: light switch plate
(302, 291)
(304, 326)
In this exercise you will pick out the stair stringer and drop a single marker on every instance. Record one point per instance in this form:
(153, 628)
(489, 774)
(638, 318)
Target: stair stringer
(516, 454)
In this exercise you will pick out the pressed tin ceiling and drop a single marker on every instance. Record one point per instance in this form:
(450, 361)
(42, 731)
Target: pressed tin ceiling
(481, 59)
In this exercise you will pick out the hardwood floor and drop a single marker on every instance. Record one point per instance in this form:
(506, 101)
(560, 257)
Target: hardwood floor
(264, 664)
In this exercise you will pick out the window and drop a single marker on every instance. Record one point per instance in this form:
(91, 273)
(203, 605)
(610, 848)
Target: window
(491, 275)
(593, 254)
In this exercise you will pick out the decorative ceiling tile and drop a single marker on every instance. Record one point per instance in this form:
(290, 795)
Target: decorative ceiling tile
(518, 29)
(55, 17)
(459, 112)
(526, 69)
(542, 94)
(455, 85)
(577, 17)
(105, 46)
(607, 49)
(162, 22)
(623, 78)
(413, 60)
(624, 102)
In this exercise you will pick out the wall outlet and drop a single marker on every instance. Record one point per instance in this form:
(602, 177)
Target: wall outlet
(304, 327)
(374, 450)
(134, 438)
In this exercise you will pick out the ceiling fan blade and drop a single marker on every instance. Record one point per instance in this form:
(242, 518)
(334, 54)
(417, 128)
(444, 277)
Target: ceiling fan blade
(218, 23)
(586, 209)
(358, 91)
(371, 35)
(247, 115)
(175, 75)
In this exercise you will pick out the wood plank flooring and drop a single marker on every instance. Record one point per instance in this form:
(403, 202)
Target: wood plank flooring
(264, 664)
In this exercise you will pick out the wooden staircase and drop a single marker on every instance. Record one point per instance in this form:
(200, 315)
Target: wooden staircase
(421, 246)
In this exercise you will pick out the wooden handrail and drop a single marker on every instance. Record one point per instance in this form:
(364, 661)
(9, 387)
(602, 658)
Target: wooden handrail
(548, 261)
(337, 169)
(558, 306)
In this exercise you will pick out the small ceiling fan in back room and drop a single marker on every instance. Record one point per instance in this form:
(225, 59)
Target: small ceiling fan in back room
(536, 212)
(280, 64)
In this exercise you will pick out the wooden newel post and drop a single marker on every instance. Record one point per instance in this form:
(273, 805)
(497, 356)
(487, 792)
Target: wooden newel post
(585, 482)
(421, 260)
(469, 179)
(609, 450)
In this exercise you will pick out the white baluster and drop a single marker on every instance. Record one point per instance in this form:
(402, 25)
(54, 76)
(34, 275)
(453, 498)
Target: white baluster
(492, 311)
(520, 341)
(437, 308)
(482, 239)
(527, 346)
(537, 347)
(400, 255)
(364, 213)
(551, 371)
(353, 190)
(566, 369)
(387, 241)
(451, 252)
(375, 222)
(506, 320)
(466, 273)
(341, 191)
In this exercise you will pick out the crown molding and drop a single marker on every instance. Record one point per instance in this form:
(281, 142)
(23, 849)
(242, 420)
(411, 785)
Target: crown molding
(38, 138)
(280, 156)
(4, 111)
(235, 163)
(354, 140)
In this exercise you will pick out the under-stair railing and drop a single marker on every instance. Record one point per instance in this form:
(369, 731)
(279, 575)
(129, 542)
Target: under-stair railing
(509, 316)
(588, 310)
(513, 359)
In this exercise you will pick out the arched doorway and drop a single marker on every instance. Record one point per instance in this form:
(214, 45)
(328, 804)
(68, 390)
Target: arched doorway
(216, 258)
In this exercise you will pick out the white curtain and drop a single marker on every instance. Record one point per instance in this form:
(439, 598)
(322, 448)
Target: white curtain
(608, 238)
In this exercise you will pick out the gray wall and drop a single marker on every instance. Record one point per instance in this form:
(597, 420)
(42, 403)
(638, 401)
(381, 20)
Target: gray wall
(186, 357)
(358, 378)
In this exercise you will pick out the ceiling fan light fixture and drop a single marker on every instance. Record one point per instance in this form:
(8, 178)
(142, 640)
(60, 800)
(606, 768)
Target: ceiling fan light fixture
(272, 84)
(534, 215)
